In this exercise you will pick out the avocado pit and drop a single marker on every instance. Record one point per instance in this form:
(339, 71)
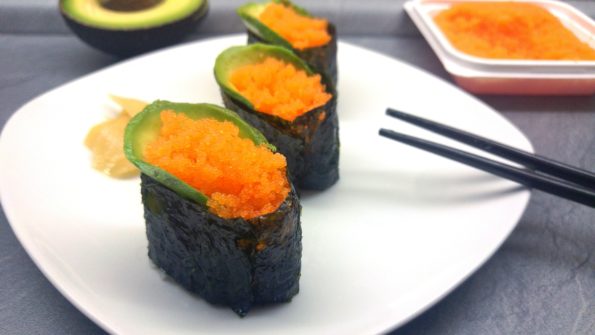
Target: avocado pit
(128, 5)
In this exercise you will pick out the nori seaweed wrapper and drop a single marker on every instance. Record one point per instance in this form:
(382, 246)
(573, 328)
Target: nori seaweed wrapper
(310, 143)
(322, 59)
(235, 262)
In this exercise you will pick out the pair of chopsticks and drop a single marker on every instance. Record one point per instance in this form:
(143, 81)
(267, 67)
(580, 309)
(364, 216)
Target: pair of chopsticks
(542, 174)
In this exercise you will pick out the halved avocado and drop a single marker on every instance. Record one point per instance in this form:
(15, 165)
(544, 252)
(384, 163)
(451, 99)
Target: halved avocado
(322, 59)
(129, 27)
(310, 142)
(144, 128)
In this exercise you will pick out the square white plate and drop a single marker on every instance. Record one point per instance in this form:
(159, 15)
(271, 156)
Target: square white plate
(399, 231)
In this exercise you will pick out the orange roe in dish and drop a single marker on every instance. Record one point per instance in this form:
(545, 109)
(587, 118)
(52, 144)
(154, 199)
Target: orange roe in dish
(278, 88)
(302, 32)
(508, 30)
(240, 178)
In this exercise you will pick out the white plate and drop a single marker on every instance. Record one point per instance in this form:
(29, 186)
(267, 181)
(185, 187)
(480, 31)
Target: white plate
(398, 232)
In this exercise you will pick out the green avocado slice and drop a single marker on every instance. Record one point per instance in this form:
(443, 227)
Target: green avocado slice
(144, 128)
(140, 13)
(250, 13)
(238, 56)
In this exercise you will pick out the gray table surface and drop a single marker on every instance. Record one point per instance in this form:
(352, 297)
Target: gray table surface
(542, 279)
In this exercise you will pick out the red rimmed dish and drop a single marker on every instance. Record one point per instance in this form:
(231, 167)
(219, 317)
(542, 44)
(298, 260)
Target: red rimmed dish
(507, 76)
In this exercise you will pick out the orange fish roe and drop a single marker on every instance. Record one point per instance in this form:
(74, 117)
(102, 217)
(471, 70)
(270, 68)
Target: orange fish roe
(240, 178)
(278, 88)
(508, 30)
(302, 32)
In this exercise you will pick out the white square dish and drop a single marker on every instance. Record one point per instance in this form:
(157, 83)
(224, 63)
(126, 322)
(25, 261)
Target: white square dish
(399, 230)
(526, 77)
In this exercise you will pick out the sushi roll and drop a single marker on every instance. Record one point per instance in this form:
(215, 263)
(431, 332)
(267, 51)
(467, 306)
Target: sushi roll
(294, 107)
(221, 217)
(280, 22)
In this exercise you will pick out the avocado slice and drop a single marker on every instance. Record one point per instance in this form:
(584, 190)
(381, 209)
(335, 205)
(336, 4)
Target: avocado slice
(250, 12)
(310, 143)
(238, 56)
(144, 128)
(129, 27)
(322, 59)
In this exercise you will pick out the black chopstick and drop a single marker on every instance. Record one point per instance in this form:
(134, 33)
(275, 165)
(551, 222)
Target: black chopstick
(532, 161)
(584, 194)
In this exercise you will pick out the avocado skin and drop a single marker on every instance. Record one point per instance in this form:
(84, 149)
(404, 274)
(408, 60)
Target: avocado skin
(126, 43)
(200, 250)
(322, 59)
(311, 146)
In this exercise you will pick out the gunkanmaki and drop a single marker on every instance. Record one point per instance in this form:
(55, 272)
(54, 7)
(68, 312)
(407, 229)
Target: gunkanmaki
(221, 217)
(282, 23)
(294, 107)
